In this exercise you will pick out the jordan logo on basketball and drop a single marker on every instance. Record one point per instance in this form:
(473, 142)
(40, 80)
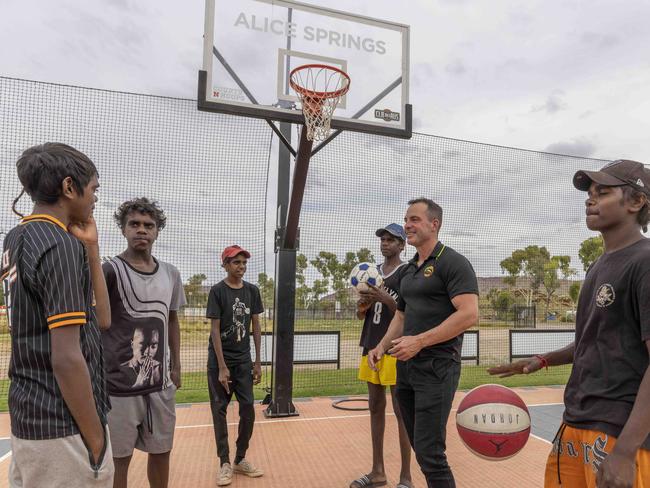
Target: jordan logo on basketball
(498, 445)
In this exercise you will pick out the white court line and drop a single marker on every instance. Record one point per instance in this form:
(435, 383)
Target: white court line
(335, 417)
(284, 420)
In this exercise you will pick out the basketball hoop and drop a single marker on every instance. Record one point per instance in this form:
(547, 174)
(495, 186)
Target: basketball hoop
(319, 88)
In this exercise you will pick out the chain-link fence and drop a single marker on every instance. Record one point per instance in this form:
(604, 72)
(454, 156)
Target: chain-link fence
(215, 176)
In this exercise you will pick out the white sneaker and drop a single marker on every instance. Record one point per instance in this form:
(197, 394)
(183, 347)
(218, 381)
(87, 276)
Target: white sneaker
(245, 467)
(225, 475)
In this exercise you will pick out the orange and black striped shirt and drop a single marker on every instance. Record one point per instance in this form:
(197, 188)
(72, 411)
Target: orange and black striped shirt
(47, 284)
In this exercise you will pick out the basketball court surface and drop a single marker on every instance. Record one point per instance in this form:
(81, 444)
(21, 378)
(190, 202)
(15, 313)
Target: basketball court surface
(325, 447)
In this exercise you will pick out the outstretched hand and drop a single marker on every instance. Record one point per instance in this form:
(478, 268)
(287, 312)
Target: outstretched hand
(524, 366)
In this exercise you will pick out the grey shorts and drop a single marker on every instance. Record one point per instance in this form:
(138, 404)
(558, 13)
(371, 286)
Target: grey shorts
(58, 463)
(144, 422)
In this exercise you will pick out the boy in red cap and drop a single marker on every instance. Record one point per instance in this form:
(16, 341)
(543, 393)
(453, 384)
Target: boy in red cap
(233, 305)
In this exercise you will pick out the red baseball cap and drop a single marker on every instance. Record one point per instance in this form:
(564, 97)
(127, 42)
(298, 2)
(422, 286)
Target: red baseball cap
(232, 251)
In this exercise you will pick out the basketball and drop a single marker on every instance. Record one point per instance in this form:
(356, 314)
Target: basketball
(364, 274)
(493, 422)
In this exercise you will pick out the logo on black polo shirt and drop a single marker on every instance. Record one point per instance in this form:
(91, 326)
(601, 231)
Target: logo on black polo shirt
(428, 271)
(605, 296)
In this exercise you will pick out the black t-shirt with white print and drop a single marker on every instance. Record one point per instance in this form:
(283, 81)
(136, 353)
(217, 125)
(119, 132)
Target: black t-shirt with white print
(611, 357)
(234, 307)
(379, 316)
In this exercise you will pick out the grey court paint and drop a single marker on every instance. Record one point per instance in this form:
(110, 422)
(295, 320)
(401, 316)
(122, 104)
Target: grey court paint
(5, 446)
(546, 420)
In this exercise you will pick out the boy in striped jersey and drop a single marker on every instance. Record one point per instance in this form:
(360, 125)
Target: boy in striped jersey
(51, 270)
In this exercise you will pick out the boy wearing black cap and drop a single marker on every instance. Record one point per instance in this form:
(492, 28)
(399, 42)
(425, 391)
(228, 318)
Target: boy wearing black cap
(376, 308)
(233, 306)
(604, 440)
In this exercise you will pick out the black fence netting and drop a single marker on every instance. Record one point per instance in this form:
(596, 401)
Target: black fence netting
(208, 172)
(500, 205)
(513, 213)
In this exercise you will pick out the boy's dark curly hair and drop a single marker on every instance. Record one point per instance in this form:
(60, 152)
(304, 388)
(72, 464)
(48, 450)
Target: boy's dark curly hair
(141, 205)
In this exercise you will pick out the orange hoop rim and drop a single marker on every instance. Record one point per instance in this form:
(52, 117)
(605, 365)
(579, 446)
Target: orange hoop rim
(316, 95)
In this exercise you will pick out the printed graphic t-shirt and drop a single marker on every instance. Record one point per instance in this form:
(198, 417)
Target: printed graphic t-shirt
(234, 307)
(136, 346)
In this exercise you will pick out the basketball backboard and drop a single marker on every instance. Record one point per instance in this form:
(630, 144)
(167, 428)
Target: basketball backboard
(250, 47)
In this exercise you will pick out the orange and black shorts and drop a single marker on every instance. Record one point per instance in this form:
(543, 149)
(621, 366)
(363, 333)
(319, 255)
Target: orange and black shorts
(577, 455)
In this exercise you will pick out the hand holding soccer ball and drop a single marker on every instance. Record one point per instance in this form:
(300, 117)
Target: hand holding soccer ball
(365, 274)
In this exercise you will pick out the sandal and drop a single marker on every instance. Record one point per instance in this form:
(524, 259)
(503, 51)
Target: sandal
(366, 482)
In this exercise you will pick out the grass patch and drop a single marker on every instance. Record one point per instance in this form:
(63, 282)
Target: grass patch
(343, 382)
(473, 376)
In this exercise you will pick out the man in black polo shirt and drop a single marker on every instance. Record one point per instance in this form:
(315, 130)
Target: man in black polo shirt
(438, 301)
(604, 440)
(56, 299)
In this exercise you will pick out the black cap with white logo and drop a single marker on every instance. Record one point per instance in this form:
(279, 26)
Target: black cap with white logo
(618, 173)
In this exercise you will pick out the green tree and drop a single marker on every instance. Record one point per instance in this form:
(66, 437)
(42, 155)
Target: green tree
(574, 292)
(551, 280)
(303, 291)
(335, 273)
(501, 302)
(307, 296)
(590, 250)
(318, 289)
(196, 297)
(536, 265)
(527, 263)
(267, 289)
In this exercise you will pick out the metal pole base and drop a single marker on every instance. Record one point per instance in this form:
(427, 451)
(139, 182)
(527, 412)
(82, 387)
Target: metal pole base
(275, 410)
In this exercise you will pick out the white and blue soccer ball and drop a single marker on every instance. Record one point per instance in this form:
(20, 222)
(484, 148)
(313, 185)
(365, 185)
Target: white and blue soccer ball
(364, 274)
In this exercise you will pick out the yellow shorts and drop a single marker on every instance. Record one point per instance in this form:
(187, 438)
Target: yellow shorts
(387, 374)
(581, 453)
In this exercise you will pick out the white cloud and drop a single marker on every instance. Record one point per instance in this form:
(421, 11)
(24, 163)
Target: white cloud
(577, 147)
